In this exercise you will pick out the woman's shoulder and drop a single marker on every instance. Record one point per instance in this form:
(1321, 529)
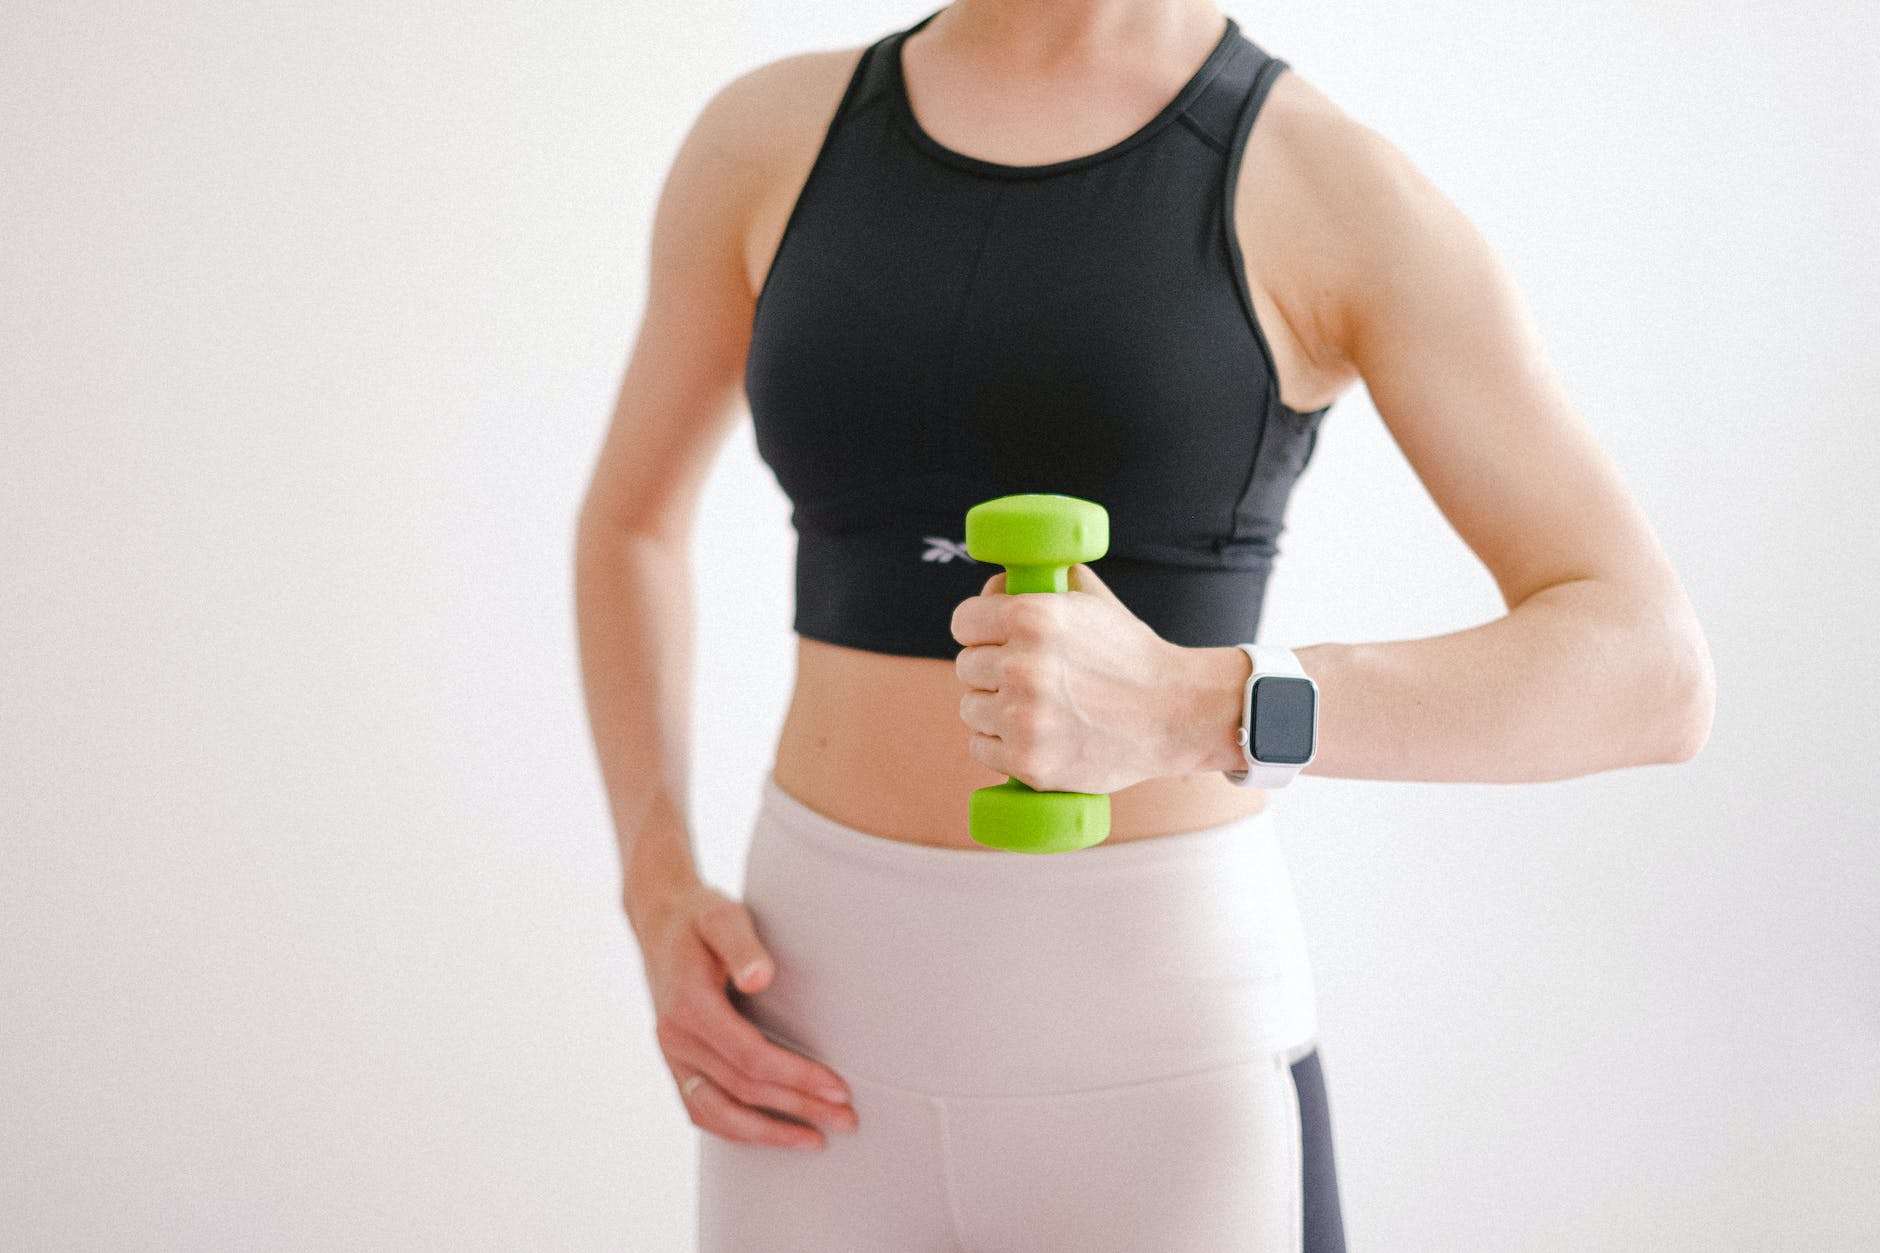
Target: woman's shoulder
(777, 111)
(749, 147)
(1327, 207)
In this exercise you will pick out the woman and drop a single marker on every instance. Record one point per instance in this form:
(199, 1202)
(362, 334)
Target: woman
(1025, 246)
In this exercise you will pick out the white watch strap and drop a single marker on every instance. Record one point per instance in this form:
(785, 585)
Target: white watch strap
(1266, 659)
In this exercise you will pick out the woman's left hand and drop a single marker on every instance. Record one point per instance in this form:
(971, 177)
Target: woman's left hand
(1067, 691)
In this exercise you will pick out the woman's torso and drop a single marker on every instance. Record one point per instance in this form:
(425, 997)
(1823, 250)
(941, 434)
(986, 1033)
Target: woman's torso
(875, 739)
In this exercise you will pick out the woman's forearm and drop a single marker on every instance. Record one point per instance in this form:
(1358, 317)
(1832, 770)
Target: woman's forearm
(1580, 677)
(633, 613)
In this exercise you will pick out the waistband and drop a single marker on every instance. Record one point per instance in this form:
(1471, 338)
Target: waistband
(970, 972)
(991, 869)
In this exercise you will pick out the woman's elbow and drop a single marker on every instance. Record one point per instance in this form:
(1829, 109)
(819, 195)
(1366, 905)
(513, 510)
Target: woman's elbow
(1688, 729)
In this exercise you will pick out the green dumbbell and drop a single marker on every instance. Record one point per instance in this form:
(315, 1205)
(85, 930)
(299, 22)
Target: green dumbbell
(1037, 537)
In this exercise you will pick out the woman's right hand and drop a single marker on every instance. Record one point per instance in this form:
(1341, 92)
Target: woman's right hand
(733, 1080)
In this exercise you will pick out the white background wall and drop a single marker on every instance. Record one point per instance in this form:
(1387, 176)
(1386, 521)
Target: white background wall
(310, 320)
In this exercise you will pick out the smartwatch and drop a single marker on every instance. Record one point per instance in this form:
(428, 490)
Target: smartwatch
(1279, 718)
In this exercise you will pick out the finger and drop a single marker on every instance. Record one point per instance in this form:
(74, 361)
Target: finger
(727, 930)
(981, 619)
(736, 1039)
(979, 710)
(988, 751)
(713, 1110)
(1084, 579)
(994, 584)
(697, 1069)
(976, 667)
(764, 1095)
(693, 1062)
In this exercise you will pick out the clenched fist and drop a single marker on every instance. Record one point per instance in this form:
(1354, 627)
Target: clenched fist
(1066, 691)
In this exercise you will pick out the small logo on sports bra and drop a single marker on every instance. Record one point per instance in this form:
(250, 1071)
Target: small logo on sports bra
(944, 549)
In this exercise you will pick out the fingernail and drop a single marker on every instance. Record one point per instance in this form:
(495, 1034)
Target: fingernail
(839, 1095)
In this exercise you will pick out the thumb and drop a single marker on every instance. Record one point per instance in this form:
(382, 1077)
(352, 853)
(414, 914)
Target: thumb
(994, 584)
(1084, 579)
(727, 930)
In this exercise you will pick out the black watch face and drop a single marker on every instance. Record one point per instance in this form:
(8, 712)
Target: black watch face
(1282, 719)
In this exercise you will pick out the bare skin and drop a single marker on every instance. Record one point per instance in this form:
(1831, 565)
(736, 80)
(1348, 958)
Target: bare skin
(1360, 271)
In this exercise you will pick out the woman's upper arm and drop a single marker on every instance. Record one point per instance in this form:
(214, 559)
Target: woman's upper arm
(1429, 316)
(682, 388)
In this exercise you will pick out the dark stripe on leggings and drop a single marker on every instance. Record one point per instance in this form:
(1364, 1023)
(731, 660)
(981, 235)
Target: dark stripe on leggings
(1324, 1220)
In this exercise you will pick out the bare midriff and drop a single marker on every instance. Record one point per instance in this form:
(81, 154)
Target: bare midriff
(875, 741)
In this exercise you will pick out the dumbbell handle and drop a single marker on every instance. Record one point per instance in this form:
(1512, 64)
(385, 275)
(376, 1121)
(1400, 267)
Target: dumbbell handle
(1037, 579)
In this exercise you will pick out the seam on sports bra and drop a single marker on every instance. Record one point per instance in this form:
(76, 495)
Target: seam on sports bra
(1244, 120)
(951, 385)
(1202, 133)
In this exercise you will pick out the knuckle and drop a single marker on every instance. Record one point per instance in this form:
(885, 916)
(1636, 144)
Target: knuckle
(743, 1053)
(721, 1117)
(682, 1018)
(735, 1086)
(768, 1063)
(1029, 764)
(673, 1027)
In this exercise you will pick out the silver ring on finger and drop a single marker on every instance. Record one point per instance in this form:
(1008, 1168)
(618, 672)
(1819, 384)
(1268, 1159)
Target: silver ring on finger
(685, 1089)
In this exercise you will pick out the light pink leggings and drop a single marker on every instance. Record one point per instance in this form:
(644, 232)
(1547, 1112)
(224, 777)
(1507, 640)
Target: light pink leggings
(1093, 1051)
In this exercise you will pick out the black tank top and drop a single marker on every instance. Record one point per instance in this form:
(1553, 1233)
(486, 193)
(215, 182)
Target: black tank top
(937, 330)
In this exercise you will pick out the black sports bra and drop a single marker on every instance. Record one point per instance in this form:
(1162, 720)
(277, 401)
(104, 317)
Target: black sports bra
(938, 329)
